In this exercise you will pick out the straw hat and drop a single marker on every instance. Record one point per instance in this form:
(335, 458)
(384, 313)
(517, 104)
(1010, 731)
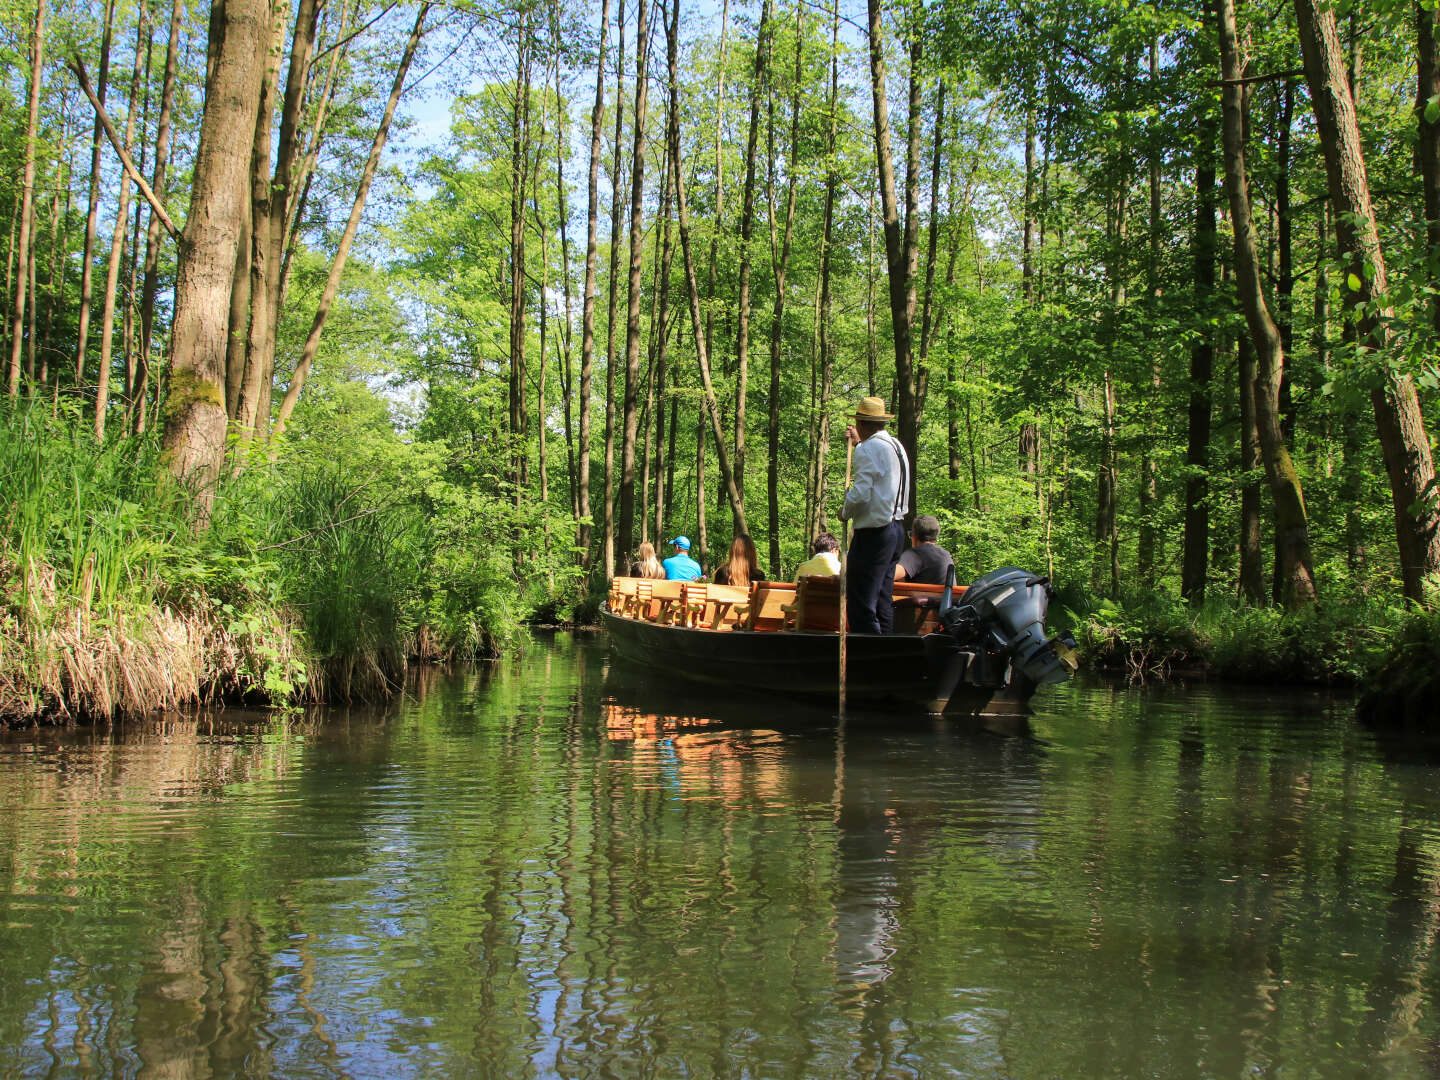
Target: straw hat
(872, 408)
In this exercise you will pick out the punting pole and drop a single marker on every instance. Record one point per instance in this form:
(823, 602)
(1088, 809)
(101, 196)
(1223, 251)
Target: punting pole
(844, 550)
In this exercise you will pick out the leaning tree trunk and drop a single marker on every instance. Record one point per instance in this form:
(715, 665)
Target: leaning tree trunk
(352, 225)
(1292, 541)
(27, 197)
(1403, 438)
(194, 412)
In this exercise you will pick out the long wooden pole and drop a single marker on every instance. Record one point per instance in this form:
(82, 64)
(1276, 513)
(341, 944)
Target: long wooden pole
(844, 550)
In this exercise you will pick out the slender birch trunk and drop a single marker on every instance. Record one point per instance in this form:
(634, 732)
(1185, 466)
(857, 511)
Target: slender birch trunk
(27, 197)
(587, 310)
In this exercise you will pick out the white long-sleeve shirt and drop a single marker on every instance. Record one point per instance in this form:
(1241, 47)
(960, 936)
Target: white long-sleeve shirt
(881, 491)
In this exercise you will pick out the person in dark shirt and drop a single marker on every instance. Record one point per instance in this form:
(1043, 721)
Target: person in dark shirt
(927, 561)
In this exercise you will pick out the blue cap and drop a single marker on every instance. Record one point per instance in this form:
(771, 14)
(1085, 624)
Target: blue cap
(681, 542)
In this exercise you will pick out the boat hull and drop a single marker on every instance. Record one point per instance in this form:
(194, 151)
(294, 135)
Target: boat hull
(883, 670)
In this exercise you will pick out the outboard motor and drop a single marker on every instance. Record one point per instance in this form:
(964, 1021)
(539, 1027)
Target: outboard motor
(996, 631)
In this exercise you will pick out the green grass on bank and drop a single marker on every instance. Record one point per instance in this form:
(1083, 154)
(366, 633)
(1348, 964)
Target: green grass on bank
(1339, 641)
(317, 577)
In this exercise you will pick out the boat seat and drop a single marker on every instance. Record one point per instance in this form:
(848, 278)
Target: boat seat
(622, 594)
(917, 606)
(662, 601)
(765, 609)
(712, 606)
(816, 606)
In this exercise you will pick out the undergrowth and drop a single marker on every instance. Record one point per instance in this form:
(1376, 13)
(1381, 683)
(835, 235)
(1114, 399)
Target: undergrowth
(314, 577)
(1158, 637)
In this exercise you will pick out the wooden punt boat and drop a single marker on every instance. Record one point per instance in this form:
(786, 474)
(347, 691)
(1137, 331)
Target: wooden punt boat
(780, 638)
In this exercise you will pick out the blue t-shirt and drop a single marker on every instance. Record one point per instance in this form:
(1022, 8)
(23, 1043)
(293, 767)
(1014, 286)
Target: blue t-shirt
(681, 568)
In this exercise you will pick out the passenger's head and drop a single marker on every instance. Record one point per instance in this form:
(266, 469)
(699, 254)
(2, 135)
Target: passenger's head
(681, 544)
(927, 529)
(824, 542)
(647, 562)
(743, 564)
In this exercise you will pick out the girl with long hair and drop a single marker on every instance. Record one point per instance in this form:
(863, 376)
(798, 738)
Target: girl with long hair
(646, 564)
(743, 566)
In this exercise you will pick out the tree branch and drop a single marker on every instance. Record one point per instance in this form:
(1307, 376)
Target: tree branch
(78, 67)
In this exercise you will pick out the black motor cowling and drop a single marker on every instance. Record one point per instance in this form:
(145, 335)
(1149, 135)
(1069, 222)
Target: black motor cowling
(1000, 623)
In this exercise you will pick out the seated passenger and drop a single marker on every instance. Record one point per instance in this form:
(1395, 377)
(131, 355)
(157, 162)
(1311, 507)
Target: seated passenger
(927, 561)
(680, 566)
(646, 565)
(742, 567)
(825, 562)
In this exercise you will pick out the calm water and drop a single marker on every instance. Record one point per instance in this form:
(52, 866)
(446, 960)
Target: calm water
(542, 869)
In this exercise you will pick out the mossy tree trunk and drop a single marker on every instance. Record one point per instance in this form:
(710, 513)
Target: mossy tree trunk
(194, 413)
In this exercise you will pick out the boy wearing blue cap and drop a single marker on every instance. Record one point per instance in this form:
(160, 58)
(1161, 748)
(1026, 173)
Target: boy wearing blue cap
(680, 566)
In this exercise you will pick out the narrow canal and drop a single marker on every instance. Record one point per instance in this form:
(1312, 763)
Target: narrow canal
(544, 868)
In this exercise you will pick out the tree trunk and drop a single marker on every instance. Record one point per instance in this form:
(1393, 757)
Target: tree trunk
(1297, 580)
(27, 196)
(777, 320)
(194, 438)
(900, 238)
(927, 307)
(117, 239)
(519, 153)
(562, 208)
(1194, 561)
(150, 286)
(608, 542)
(93, 212)
(632, 318)
(352, 225)
(1427, 150)
(239, 321)
(1252, 577)
(587, 315)
(737, 505)
(662, 287)
(1403, 438)
(747, 225)
(719, 184)
(1149, 533)
(816, 523)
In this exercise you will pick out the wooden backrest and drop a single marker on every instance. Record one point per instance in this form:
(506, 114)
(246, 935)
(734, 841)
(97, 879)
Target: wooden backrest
(817, 603)
(767, 604)
(917, 607)
(717, 603)
(662, 594)
(620, 588)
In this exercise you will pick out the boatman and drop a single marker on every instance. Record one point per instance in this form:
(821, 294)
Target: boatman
(876, 503)
(680, 566)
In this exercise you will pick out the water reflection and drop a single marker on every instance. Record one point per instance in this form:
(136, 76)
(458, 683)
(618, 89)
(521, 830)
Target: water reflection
(541, 868)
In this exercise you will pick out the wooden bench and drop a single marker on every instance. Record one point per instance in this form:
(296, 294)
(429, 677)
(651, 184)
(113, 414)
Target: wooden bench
(658, 601)
(715, 607)
(622, 594)
(765, 608)
(917, 607)
(816, 606)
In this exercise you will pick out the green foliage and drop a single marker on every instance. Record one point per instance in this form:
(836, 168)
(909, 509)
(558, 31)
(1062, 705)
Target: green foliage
(1157, 636)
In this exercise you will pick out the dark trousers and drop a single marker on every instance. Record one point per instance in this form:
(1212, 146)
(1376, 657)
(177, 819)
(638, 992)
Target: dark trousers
(870, 578)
